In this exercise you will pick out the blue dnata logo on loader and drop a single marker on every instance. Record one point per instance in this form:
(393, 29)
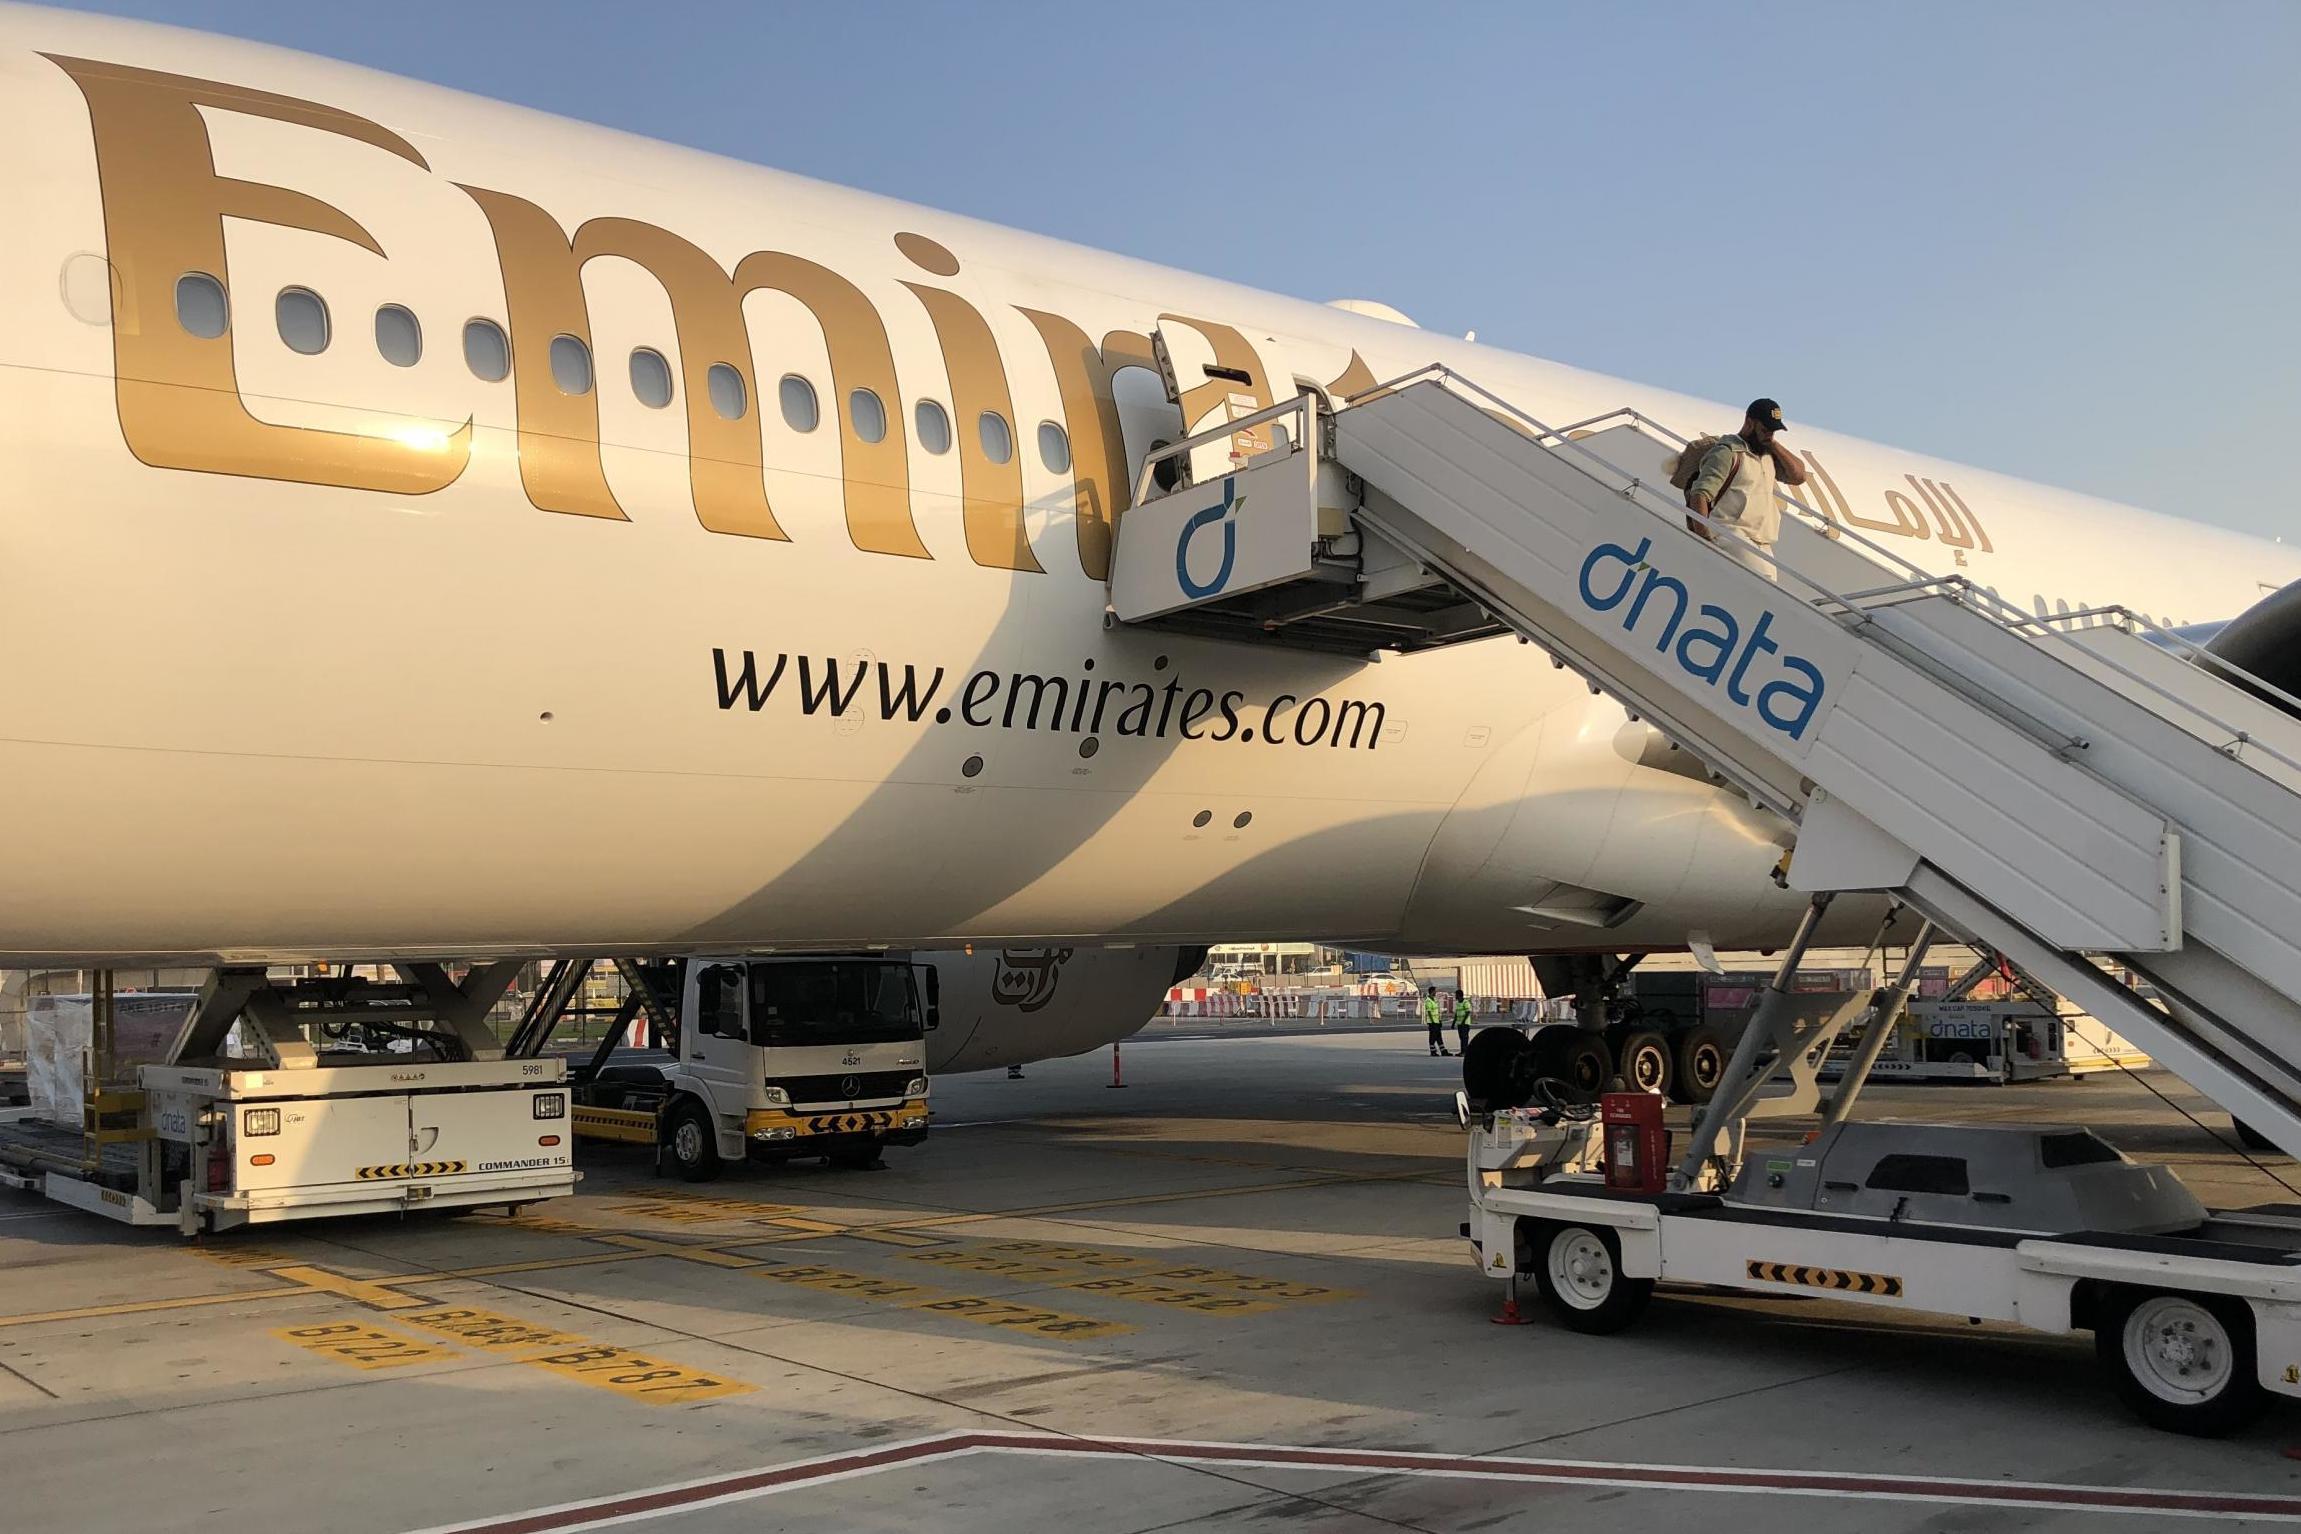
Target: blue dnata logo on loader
(1714, 649)
(1219, 512)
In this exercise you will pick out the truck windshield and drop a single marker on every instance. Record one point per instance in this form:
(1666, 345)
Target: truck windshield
(861, 1002)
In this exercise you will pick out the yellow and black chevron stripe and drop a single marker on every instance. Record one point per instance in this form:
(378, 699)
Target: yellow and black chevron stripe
(850, 1123)
(1826, 1278)
(399, 1169)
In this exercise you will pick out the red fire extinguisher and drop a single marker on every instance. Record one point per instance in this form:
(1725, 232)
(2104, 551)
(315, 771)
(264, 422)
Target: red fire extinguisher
(1637, 1144)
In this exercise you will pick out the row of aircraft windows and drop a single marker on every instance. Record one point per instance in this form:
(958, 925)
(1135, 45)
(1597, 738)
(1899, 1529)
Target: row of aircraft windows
(204, 310)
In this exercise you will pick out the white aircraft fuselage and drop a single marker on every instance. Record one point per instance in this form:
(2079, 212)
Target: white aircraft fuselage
(351, 653)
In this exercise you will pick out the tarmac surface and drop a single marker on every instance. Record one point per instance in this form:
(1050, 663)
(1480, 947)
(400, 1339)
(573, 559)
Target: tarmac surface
(1229, 1297)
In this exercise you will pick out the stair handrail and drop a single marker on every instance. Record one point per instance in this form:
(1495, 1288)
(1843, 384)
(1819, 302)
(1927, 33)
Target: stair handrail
(1960, 589)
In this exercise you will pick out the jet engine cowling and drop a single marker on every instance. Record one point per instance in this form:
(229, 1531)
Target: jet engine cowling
(1011, 1006)
(2264, 641)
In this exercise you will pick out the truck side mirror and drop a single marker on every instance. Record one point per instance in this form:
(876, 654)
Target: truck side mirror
(934, 998)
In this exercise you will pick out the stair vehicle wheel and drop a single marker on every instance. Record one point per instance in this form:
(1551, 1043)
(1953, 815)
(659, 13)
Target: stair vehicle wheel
(1644, 1062)
(693, 1143)
(1701, 1064)
(855, 1158)
(2249, 1137)
(2183, 1362)
(1578, 1268)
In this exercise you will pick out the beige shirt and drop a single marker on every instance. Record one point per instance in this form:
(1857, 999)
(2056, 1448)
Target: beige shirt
(1750, 506)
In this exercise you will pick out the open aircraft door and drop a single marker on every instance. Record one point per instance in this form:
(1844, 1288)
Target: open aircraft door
(1214, 374)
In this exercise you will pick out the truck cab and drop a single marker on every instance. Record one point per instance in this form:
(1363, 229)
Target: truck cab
(771, 1059)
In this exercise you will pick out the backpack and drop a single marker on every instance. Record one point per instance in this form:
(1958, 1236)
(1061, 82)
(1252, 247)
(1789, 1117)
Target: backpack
(1684, 465)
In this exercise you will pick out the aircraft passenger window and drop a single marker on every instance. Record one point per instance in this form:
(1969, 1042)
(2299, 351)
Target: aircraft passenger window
(398, 336)
(727, 393)
(800, 412)
(651, 378)
(485, 351)
(201, 307)
(303, 320)
(1054, 448)
(570, 365)
(998, 442)
(934, 427)
(869, 416)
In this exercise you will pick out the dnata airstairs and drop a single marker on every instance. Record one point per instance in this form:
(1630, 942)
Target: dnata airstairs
(2060, 796)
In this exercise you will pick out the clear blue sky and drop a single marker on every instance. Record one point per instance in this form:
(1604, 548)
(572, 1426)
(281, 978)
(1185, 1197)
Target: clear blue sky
(2058, 239)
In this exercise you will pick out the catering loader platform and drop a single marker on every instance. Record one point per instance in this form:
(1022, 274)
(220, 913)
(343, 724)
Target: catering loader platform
(253, 1116)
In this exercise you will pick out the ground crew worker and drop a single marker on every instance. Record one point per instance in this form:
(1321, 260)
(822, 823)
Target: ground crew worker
(1734, 487)
(1435, 1019)
(1462, 1022)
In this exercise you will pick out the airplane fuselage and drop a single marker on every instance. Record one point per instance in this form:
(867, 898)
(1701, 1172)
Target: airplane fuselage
(723, 566)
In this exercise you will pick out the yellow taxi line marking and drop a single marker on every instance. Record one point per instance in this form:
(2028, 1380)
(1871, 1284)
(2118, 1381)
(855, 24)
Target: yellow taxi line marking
(369, 1292)
(807, 1227)
(889, 1236)
(141, 1307)
(551, 1227)
(364, 1347)
(648, 1246)
(532, 1265)
(181, 1302)
(243, 1256)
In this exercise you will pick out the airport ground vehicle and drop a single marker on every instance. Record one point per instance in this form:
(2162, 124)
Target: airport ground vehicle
(765, 1059)
(1672, 1031)
(2106, 808)
(2196, 1314)
(281, 1125)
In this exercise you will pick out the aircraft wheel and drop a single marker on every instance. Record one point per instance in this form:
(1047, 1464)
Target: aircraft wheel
(1701, 1063)
(1644, 1062)
(693, 1143)
(2183, 1362)
(1580, 1060)
(1578, 1268)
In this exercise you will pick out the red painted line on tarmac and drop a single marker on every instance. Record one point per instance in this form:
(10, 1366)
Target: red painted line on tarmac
(663, 1501)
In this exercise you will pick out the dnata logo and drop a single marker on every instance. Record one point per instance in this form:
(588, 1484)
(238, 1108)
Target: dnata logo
(1713, 649)
(1219, 512)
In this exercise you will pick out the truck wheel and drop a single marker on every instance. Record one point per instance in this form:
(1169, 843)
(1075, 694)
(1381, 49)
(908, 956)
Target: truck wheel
(1701, 1063)
(1643, 1061)
(693, 1143)
(856, 1158)
(1579, 1271)
(2183, 1362)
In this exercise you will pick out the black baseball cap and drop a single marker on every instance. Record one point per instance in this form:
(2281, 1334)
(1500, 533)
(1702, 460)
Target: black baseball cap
(1768, 411)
